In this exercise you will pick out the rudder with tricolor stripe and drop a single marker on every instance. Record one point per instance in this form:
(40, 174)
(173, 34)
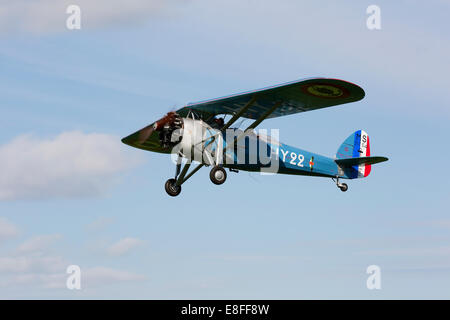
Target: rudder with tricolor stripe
(357, 145)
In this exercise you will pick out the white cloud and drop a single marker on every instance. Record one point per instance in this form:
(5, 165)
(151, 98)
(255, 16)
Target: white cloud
(7, 229)
(90, 278)
(99, 224)
(32, 257)
(14, 264)
(32, 266)
(44, 16)
(73, 164)
(103, 276)
(53, 281)
(123, 246)
(38, 243)
(32, 263)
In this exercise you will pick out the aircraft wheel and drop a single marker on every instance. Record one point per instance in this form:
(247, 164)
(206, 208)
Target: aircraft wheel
(218, 175)
(343, 187)
(171, 188)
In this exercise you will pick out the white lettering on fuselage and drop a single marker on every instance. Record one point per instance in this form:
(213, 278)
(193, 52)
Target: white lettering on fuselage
(293, 158)
(284, 154)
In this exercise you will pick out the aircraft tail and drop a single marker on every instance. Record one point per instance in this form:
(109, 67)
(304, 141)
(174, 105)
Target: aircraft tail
(353, 156)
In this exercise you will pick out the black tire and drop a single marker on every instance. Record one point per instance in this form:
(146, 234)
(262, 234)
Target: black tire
(171, 188)
(343, 187)
(218, 175)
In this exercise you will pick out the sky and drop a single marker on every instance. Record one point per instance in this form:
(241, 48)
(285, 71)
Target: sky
(72, 194)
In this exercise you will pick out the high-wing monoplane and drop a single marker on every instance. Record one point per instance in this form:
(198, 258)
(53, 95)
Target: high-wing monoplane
(201, 133)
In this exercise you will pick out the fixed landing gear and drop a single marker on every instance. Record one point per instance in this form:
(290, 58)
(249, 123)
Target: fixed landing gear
(218, 175)
(171, 187)
(342, 186)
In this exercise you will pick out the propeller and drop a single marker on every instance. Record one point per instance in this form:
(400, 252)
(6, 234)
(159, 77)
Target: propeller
(146, 132)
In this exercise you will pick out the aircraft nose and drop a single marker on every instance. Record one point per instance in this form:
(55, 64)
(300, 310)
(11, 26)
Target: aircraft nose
(139, 136)
(129, 140)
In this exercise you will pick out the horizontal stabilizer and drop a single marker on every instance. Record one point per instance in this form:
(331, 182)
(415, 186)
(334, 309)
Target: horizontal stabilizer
(348, 162)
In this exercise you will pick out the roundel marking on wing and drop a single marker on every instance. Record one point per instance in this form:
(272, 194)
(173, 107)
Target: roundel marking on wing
(325, 90)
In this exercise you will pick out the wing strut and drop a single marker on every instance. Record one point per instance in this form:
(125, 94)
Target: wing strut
(238, 114)
(264, 116)
(235, 117)
(254, 124)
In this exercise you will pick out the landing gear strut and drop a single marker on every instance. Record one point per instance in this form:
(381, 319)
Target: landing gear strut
(173, 186)
(218, 175)
(342, 186)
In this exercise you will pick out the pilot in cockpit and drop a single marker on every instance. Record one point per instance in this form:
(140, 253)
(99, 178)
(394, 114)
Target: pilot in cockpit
(217, 123)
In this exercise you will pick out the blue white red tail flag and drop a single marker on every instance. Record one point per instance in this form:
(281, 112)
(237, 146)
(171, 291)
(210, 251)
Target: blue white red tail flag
(356, 145)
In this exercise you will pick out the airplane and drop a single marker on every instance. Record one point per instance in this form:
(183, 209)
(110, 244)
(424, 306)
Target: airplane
(199, 133)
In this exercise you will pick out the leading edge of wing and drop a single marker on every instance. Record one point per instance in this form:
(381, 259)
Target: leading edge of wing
(191, 104)
(297, 96)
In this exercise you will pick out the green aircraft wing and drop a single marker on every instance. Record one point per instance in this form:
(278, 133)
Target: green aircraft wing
(294, 97)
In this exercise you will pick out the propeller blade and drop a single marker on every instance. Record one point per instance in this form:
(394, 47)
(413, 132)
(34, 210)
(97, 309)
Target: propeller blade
(145, 133)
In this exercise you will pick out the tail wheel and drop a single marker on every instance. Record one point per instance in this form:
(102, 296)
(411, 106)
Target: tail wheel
(343, 187)
(218, 175)
(171, 188)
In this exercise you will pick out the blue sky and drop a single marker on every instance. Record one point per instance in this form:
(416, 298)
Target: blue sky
(71, 193)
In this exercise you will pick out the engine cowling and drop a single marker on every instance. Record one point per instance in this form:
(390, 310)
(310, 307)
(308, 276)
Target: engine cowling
(193, 138)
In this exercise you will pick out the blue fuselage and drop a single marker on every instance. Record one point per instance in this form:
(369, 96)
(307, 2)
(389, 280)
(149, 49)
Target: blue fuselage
(254, 153)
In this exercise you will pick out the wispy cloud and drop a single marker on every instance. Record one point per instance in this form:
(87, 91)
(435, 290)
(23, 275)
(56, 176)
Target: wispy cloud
(32, 265)
(99, 224)
(49, 16)
(53, 280)
(73, 164)
(38, 243)
(123, 246)
(7, 229)
(404, 57)
(97, 276)
(90, 278)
